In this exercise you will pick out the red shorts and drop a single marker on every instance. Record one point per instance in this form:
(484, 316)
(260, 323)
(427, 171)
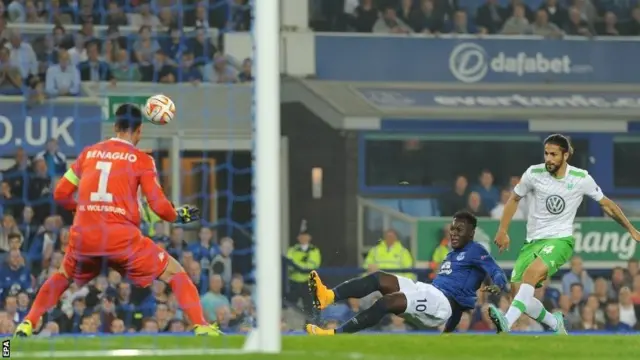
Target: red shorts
(141, 263)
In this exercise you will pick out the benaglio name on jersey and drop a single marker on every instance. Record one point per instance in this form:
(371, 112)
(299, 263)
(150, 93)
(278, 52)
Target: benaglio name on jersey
(108, 155)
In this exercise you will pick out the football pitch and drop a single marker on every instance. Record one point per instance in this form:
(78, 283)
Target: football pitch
(346, 347)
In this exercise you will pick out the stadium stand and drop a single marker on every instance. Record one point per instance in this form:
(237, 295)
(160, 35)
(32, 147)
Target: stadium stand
(48, 47)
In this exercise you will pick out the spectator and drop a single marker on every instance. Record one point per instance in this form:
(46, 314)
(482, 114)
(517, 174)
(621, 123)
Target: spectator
(177, 326)
(465, 323)
(576, 25)
(456, 199)
(16, 11)
(177, 243)
(246, 74)
(364, 16)
(556, 13)
(304, 257)
(220, 71)
(10, 78)
(160, 233)
(222, 263)
(404, 10)
(174, 47)
(397, 324)
(475, 206)
(213, 299)
(576, 297)
(9, 204)
(32, 15)
(199, 279)
(145, 47)
(628, 314)
(188, 71)
(204, 250)
(237, 287)
(40, 189)
(223, 317)
(93, 69)
(123, 69)
(487, 190)
(496, 212)
(587, 10)
(491, 16)
(618, 281)
(47, 55)
(577, 275)
(16, 276)
(24, 58)
(56, 161)
(613, 319)
(440, 252)
(159, 71)
(633, 269)
(143, 18)
(17, 174)
(240, 15)
(78, 53)
(542, 26)
(461, 24)
(117, 326)
(201, 16)
(115, 15)
(11, 308)
(28, 227)
(610, 26)
(425, 19)
(528, 13)
(162, 317)
(63, 79)
(485, 323)
(632, 28)
(517, 24)
(202, 48)
(168, 19)
(594, 304)
(8, 229)
(389, 23)
(588, 321)
(601, 291)
(388, 255)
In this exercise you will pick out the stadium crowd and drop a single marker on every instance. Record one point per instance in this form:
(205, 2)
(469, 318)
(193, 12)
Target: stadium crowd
(159, 50)
(549, 18)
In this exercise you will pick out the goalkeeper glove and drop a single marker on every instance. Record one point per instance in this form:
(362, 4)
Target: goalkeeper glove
(187, 214)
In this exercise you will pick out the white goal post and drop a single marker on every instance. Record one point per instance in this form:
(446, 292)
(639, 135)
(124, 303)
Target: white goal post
(266, 338)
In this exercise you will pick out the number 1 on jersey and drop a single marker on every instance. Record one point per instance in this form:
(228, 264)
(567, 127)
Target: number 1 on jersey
(102, 195)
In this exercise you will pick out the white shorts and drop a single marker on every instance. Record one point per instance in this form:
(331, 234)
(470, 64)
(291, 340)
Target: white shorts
(427, 307)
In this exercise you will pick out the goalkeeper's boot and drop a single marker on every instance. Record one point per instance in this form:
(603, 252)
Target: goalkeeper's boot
(499, 320)
(207, 330)
(561, 329)
(322, 296)
(25, 329)
(318, 331)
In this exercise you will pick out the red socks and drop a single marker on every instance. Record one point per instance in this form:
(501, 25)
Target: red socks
(47, 297)
(187, 295)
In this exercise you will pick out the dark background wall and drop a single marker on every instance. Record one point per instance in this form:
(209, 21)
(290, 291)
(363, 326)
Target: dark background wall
(332, 220)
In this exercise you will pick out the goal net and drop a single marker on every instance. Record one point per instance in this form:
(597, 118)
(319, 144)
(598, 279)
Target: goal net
(218, 154)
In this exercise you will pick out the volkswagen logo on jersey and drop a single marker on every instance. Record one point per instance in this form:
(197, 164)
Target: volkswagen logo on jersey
(555, 204)
(469, 62)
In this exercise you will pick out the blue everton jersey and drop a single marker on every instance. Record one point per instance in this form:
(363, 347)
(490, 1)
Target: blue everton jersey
(462, 272)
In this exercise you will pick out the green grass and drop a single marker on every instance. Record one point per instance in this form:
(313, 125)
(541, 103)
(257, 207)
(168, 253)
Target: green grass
(351, 347)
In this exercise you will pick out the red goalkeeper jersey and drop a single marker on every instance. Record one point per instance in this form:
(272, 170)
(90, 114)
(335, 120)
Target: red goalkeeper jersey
(108, 176)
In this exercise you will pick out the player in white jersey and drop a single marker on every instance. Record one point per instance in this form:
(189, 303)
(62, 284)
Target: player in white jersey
(555, 190)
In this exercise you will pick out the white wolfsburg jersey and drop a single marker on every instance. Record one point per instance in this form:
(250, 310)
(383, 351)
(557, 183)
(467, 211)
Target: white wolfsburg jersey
(554, 202)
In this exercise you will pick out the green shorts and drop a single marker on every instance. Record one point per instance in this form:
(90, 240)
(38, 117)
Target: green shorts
(554, 252)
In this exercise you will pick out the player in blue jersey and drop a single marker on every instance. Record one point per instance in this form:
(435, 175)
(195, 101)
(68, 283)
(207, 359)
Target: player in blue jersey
(425, 305)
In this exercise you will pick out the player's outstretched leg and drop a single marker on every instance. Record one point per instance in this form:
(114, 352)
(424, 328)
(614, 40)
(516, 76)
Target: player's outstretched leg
(395, 303)
(188, 298)
(47, 297)
(354, 288)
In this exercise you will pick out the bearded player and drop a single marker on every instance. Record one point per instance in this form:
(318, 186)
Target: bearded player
(452, 292)
(556, 190)
(106, 228)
